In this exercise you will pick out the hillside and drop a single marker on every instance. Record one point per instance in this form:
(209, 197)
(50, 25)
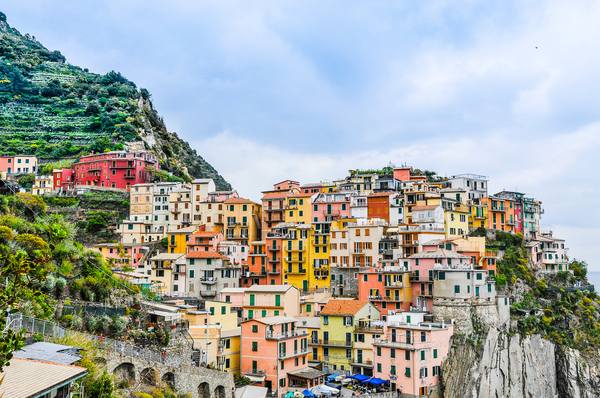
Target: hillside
(55, 110)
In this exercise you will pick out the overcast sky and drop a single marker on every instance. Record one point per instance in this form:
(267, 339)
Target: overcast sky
(306, 90)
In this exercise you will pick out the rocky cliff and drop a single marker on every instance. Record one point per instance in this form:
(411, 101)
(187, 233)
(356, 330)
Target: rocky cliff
(506, 366)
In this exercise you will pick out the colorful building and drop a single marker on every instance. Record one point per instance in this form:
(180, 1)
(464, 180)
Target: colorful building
(388, 288)
(410, 356)
(43, 185)
(209, 272)
(274, 204)
(243, 220)
(63, 179)
(271, 348)
(339, 318)
(168, 273)
(178, 239)
(262, 301)
(117, 169)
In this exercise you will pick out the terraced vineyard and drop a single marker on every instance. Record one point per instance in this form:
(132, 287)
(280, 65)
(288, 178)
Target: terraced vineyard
(52, 109)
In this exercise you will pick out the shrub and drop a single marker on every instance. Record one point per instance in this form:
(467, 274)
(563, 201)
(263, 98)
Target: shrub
(103, 324)
(67, 320)
(60, 285)
(50, 283)
(76, 286)
(31, 243)
(77, 322)
(92, 323)
(6, 233)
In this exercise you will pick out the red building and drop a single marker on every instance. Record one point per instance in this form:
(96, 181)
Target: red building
(63, 178)
(118, 169)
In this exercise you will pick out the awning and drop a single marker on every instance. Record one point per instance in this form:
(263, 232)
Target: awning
(377, 382)
(256, 379)
(331, 377)
(361, 378)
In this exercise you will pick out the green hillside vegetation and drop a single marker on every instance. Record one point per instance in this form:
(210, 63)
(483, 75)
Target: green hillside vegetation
(55, 110)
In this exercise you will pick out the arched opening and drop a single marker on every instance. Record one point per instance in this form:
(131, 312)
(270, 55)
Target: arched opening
(125, 371)
(149, 377)
(220, 392)
(169, 378)
(204, 390)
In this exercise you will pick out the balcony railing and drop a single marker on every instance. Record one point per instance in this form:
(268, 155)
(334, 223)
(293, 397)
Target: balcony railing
(208, 281)
(362, 361)
(255, 372)
(373, 329)
(273, 248)
(339, 343)
(291, 354)
(208, 293)
(358, 251)
(296, 271)
(285, 335)
(385, 298)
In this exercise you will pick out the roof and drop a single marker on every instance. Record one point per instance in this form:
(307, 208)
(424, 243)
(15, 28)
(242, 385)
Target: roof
(301, 195)
(275, 195)
(387, 193)
(312, 322)
(233, 290)
(307, 373)
(239, 200)
(231, 332)
(430, 207)
(343, 307)
(251, 392)
(202, 180)
(436, 242)
(48, 352)
(186, 230)
(167, 257)
(205, 233)
(25, 378)
(269, 288)
(274, 320)
(206, 254)
(439, 254)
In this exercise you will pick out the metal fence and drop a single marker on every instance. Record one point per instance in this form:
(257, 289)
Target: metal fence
(52, 329)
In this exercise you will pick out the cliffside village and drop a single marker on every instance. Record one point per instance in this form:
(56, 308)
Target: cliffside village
(361, 279)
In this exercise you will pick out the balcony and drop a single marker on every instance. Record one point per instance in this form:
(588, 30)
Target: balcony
(332, 213)
(296, 272)
(285, 335)
(292, 354)
(336, 343)
(491, 279)
(273, 248)
(273, 260)
(414, 278)
(277, 220)
(274, 272)
(274, 208)
(300, 249)
(255, 372)
(385, 298)
(362, 362)
(232, 223)
(129, 177)
(394, 344)
(208, 293)
(219, 221)
(369, 329)
(357, 251)
(394, 284)
(176, 210)
(314, 342)
(208, 281)
(496, 208)
(294, 259)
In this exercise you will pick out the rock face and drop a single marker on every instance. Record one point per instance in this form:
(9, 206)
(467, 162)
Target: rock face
(514, 367)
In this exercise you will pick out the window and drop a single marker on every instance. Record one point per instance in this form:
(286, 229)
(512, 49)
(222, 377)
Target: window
(422, 355)
(393, 353)
(436, 371)
(212, 310)
(191, 273)
(456, 288)
(348, 320)
(407, 355)
(423, 337)
(407, 372)
(489, 287)
(251, 299)
(379, 367)
(227, 363)
(378, 351)
(434, 353)
(325, 320)
(479, 276)
(393, 370)
(365, 278)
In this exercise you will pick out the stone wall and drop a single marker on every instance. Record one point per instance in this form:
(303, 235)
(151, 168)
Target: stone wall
(350, 285)
(461, 312)
(198, 382)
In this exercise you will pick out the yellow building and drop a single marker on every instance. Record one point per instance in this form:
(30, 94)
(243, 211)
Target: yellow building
(178, 239)
(166, 273)
(220, 314)
(229, 352)
(43, 185)
(312, 326)
(479, 216)
(140, 202)
(243, 222)
(298, 208)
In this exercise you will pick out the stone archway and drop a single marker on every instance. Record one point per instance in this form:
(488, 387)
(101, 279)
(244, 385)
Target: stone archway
(220, 392)
(125, 371)
(169, 378)
(149, 377)
(204, 390)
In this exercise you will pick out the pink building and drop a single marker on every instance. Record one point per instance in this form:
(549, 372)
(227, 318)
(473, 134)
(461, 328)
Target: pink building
(436, 254)
(233, 295)
(328, 207)
(202, 240)
(274, 354)
(410, 355)
(119, 255)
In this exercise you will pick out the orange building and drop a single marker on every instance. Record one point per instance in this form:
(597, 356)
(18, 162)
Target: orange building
(387, 288)
(258, 270)
(402, 173)
(378, 205)
(274, 204)
(501, 213)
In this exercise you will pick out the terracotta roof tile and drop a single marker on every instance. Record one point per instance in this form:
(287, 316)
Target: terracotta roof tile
(343, 307)
(388, 193)
(275, 195)
(239, 200)
(205, 233)
(430, 207)
(205, 254)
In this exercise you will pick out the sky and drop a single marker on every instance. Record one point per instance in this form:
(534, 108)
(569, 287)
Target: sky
(307, 90)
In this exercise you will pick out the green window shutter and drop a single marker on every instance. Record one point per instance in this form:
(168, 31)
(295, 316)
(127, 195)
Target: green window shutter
(379, 367)
(223, 310)
(251, 299)
(250, 314)
(434, 353)
(191, 273)
(308, 308)
(276, 313)
(407, 372)
(264, 313)
(209, 261)
(277, 300)
(255, 346)
(254, 328)
(422, 355)
(456, 288)
(212, 310)
(393, 369)
(366, 278)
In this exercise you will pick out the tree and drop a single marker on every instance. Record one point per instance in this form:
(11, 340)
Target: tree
(20, 275)
(579, 268)
(27, 180)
